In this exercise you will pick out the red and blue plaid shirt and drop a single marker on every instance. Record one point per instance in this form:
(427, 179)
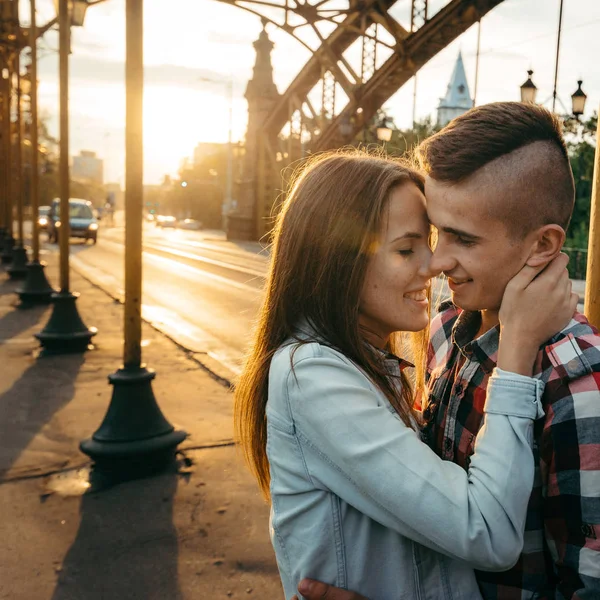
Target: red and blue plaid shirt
(561, 553)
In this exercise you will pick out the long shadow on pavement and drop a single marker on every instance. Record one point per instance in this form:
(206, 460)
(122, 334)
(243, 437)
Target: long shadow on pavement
(43, 389)
(126, 546)
(16, 320)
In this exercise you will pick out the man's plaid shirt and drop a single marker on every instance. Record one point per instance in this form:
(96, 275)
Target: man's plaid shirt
(561, 554)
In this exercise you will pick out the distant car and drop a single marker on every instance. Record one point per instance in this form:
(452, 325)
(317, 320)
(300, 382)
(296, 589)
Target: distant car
(190, 224)
(43, 217)
(166, 221)
(82, 221)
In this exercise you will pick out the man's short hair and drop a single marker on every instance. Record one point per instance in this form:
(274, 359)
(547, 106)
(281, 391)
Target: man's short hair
(516, 146)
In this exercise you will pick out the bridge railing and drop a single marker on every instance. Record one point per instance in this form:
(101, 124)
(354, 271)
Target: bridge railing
(577, 263)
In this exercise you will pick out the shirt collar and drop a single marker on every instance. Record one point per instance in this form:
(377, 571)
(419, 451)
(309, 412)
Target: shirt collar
(391, 361)
(483, 349)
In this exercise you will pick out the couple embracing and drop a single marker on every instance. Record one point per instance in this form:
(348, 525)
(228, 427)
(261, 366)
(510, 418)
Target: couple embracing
(472, 471)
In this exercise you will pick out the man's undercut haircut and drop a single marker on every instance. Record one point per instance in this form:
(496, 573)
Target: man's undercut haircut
(514, 149)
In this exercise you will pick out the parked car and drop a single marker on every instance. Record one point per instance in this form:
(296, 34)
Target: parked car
(190, 224)
(82, 221)
(166, 221)
(43, 217)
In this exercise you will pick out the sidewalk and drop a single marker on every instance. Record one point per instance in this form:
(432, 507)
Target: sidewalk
(201, 533)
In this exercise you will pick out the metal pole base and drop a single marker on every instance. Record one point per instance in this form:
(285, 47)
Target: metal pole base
(7, 251)
(36, 289)
(65, 332)
(134, 439)
(18, 267)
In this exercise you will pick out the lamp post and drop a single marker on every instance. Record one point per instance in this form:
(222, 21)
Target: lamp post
(134, 438)
(384, 133)
(36, 289)
(578, 98)
(8, 11)
(65, 330)
(2, 173)
(528, 89)
(9, 240)
(6, 173)
(18, 268)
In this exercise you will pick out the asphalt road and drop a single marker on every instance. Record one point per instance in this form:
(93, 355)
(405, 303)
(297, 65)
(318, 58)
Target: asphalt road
(200, 289)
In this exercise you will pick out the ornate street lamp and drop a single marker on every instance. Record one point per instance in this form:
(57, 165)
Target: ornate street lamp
(77, 10)
(528, 89)
(384, 133)
(578, 99)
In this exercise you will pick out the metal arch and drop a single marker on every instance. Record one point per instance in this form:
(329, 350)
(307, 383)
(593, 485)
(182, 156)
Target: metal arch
(329, 54)
(308, 14)
(452, 20)
(412, 50)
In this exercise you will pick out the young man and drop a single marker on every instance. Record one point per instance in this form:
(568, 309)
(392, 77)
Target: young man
(500, 194)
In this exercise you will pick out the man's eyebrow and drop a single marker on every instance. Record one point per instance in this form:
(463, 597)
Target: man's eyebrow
(409, 235)
(460, 233)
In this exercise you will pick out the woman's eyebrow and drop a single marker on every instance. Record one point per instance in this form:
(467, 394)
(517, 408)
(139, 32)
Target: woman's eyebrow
(409, 235)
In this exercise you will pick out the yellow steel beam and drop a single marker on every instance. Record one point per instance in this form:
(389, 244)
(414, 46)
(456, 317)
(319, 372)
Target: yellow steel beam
(592, 280)
(134, 189)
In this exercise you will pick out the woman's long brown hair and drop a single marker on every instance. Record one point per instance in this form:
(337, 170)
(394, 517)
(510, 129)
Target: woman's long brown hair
(322, 241)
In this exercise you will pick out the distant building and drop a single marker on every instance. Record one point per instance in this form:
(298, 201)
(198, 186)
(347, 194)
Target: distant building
(457, 100)
(87, 167)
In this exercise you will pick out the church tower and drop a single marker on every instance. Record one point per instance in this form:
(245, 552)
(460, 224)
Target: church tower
(458, 98)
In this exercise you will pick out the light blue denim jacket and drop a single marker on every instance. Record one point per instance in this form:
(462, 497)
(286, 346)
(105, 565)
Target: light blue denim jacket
(360, 502)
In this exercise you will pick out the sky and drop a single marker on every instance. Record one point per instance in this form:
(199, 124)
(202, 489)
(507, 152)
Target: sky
(194, 48)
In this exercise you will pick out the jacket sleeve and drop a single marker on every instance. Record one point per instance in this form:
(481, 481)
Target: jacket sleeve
(355, 447)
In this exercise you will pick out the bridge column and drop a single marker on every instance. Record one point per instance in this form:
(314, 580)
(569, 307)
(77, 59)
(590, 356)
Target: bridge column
(261, 95)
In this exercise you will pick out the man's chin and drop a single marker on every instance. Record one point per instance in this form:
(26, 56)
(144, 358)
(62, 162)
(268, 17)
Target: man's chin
(464, 302)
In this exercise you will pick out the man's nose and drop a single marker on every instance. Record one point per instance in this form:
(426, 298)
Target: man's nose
(441, 260)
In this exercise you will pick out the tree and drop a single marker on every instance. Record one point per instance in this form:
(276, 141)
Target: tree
(581, 146)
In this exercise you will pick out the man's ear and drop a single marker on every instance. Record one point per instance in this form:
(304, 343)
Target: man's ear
(547, 243)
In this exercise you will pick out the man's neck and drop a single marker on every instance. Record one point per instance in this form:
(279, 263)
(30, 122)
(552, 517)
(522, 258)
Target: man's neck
(489, 320)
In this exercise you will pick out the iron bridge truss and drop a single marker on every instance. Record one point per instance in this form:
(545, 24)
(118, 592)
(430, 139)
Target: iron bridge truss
(362, 52)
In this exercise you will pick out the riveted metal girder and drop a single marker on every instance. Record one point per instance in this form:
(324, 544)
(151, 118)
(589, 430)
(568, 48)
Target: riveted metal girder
(328, 55)
(418, 14)
(418, 48)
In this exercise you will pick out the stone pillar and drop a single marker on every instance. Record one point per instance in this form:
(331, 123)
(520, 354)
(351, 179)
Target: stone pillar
(262, 95)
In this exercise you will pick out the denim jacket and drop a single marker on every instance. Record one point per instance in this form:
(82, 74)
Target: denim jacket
(360, 502)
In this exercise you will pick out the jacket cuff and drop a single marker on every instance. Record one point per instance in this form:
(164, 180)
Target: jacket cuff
(515, 395)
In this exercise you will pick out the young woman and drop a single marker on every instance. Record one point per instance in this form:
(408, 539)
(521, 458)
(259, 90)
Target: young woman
(323, 407)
